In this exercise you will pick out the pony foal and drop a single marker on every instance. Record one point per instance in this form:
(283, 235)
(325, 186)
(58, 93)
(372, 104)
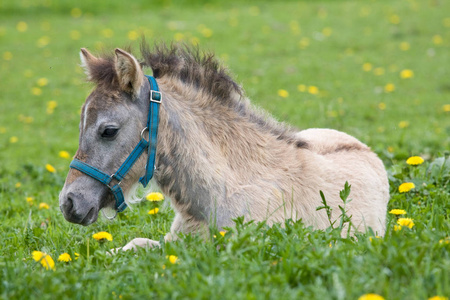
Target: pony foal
(217, 158)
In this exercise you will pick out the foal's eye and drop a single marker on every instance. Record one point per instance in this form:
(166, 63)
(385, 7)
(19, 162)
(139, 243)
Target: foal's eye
(109, 132)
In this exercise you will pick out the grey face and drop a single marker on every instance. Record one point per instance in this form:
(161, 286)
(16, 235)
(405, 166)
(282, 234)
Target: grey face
(109, 129)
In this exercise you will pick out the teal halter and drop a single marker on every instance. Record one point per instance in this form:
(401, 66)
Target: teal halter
(150, 145)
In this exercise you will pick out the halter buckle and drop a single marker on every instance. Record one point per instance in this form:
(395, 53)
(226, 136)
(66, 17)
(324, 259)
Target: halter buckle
(113, 177)
(155, 96)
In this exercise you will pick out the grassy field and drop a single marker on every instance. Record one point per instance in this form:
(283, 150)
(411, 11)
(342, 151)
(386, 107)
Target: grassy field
(378, 70)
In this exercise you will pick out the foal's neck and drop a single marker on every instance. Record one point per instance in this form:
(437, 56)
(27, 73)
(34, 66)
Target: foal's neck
(203, 142)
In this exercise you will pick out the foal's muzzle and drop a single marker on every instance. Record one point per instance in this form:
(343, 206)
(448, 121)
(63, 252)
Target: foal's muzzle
(76, 213)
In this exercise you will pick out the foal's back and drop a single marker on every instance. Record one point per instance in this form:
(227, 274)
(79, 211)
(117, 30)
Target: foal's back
(331, 159)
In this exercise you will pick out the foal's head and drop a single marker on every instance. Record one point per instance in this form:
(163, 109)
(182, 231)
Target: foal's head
(111, 122)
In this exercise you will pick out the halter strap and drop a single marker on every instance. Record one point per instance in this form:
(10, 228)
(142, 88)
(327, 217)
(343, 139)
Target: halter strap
(150, 145)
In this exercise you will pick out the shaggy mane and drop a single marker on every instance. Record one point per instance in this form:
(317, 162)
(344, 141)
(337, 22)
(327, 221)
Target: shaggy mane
(199, 69)
(192, 66)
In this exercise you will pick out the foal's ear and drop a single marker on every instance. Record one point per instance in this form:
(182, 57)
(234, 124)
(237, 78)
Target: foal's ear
(87, 62)
(129, 72)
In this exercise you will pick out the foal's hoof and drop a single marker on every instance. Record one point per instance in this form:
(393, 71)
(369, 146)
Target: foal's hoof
(134, 244)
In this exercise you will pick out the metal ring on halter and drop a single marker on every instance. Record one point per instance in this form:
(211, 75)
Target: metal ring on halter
(142, 133)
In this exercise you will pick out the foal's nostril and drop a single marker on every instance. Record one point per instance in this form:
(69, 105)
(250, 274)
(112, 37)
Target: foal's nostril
(68, 205)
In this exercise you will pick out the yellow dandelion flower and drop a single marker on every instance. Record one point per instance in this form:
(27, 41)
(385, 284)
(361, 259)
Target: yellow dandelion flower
(349, 51)
(301, 88)
(22, 26)
(233, 22)
(374, 237)
(178, 36)
(397, 211)
(75, 35)
(370, 297)
(107, 33)
(133, 35)
(378, 71)
(43, 41)
(77, 255)
(206, 32)
(446, 22)
(446, 107)
(42, 81)
(64, 154)
(153, 211)
(406, 187)
(43, 205)
(283, 93)
(194, 41)
(13, 139)
(327, 31)
(313, 90)
(437, 39)
(28, 73)
(414, 160)
(382, 106)
(45, 259)
(304, 43)
(18, 185)
(222, 232)
(226, 57)
(99, 45)
(7, 55)
(102, 235)
(254, 10)
(397, 227)
(390, 87)
(367, 67)
(52, 104)
(403, 124)
(295, 27)
(36, 91)
(406, 222)
(438, 298)
(75, 12)
(50, 168)
(29, 200)
(404, 46)
(394, 19)
(445, 241)
(65, 257)
(155, 197)
(172, 258)
(332, 114)
(405, 74)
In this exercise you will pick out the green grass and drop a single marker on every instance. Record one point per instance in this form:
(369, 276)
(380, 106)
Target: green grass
(267, 46)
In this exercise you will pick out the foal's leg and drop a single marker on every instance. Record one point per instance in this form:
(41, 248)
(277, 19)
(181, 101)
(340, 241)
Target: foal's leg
(135, 243)
(185, 225)
(179, 224)
(140, 242)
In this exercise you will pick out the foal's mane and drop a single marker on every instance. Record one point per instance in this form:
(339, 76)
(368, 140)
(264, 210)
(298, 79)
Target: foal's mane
(199, 69)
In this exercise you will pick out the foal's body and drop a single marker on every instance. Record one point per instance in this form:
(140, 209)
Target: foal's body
(218, 159)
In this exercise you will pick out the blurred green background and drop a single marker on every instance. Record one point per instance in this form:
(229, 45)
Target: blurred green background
(375, 69)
